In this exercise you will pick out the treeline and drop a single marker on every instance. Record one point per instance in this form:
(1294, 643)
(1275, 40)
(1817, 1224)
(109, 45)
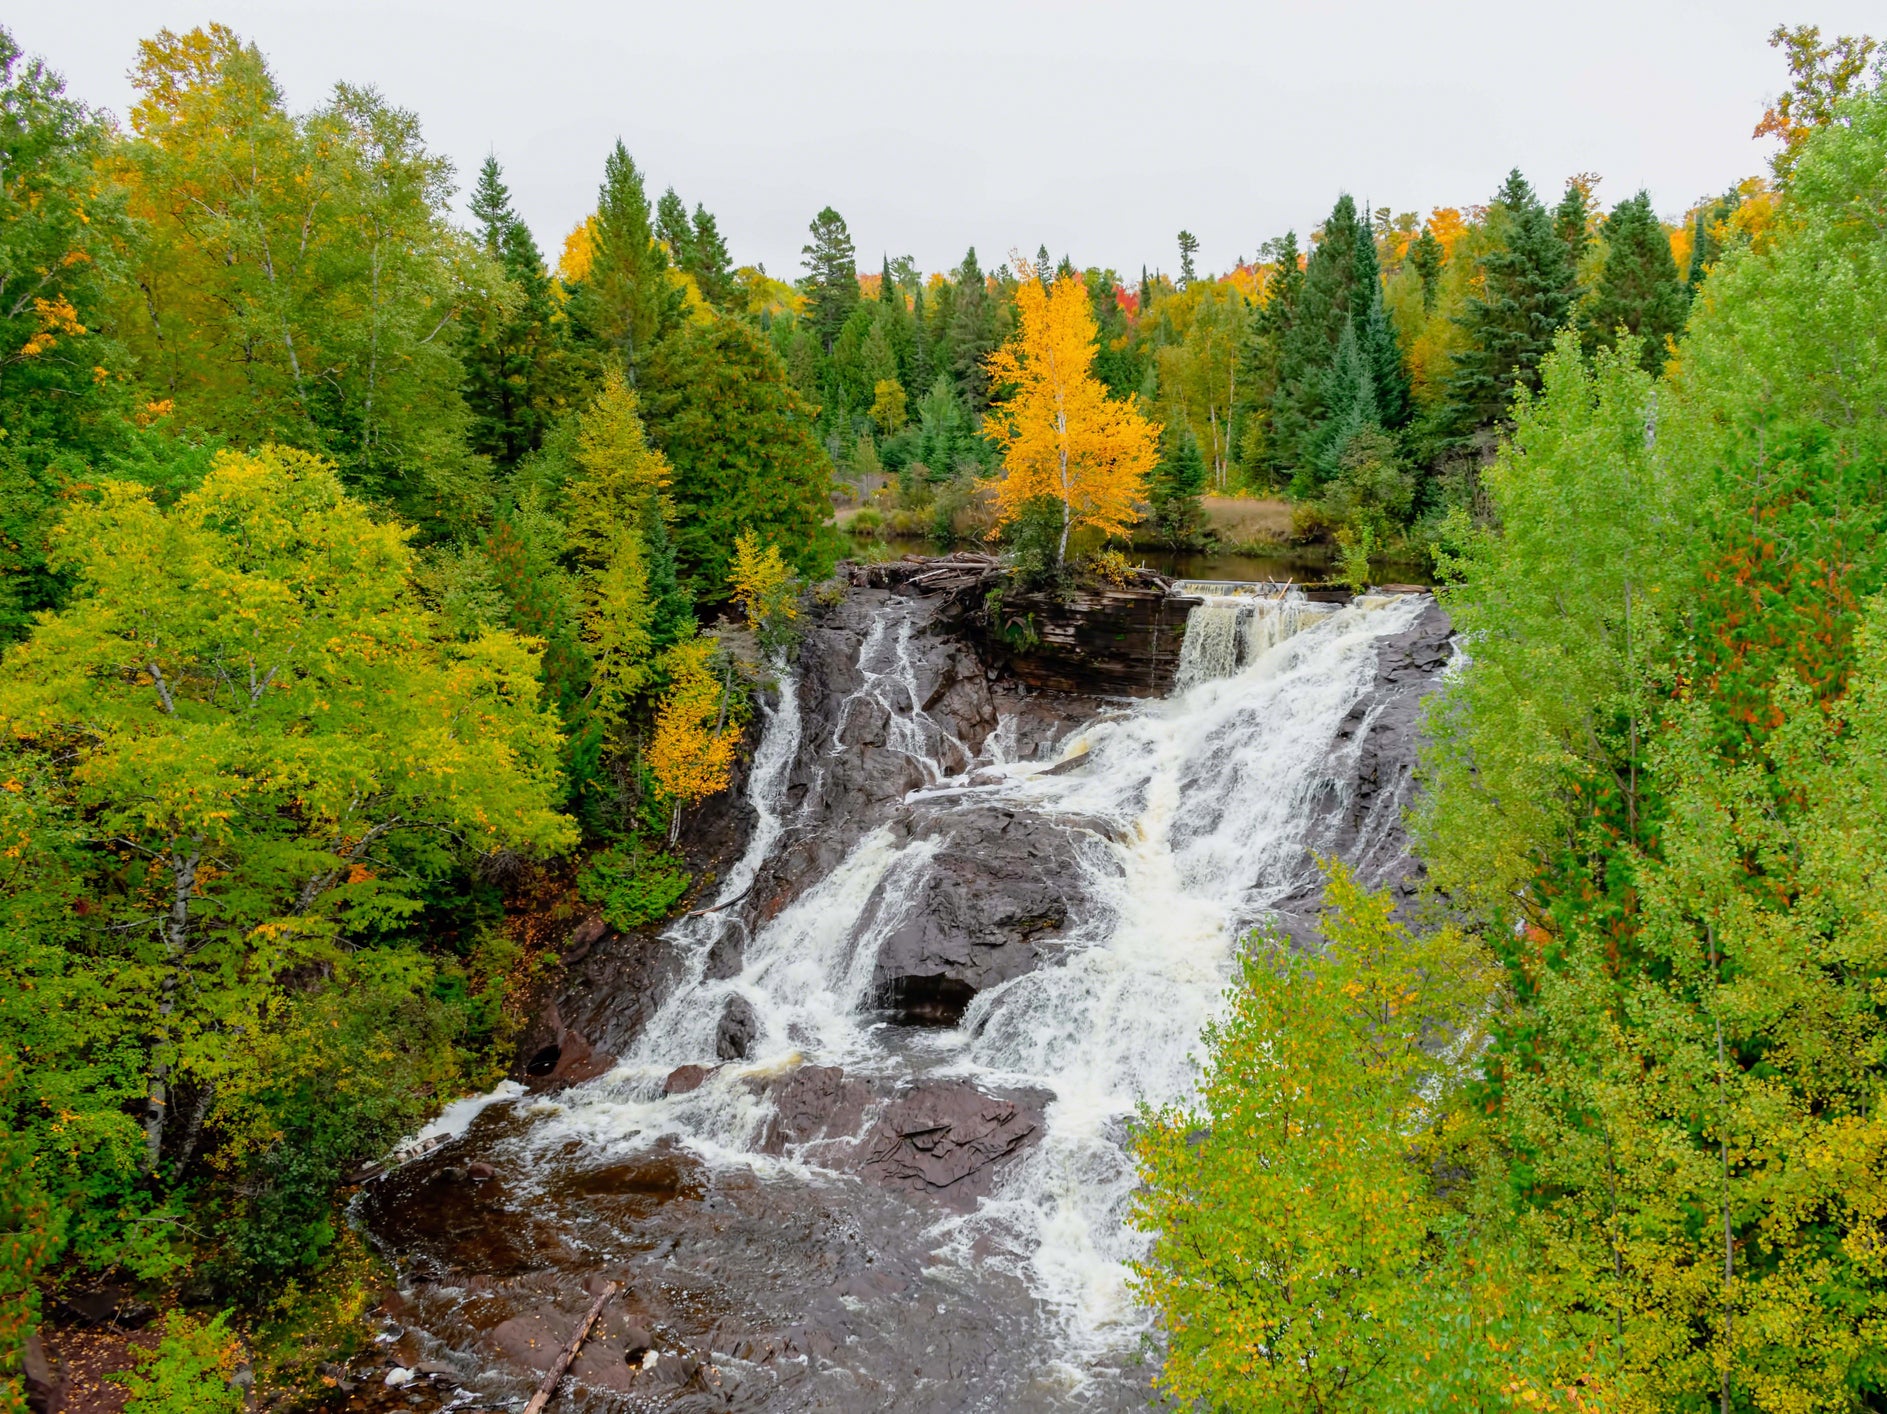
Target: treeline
(1610, 1137)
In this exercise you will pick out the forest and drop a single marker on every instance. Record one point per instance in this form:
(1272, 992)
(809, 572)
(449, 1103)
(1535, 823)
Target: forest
(374, 584)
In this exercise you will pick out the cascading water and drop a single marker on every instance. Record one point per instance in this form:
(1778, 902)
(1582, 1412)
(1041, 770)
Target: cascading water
(1191, 817)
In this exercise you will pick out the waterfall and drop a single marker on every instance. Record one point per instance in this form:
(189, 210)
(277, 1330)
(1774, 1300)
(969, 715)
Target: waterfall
(1236, 624)
(1191, 817)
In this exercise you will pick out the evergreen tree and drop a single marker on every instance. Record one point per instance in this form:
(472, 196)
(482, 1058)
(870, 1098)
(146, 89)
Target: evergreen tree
(974, 335)
(1427, 257)
(831, 282)
(515, 361)
(1176, 486)
(1322, 310)
(741, 443)
(1509, 323)
(1261, 359)
(710, 264)
(1188, 248)
(673, 230)
(1572, 220)
(1350, 406)
(630, 301)
(1639, 288)
(1376, 337)
(922, 366)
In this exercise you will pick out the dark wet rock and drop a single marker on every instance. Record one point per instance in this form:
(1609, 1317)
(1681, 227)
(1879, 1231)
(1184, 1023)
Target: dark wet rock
(811, 1104)
(992, 905)
(735, 1034)
(1103, 642)
(685, 1079)
(563, 1055)
(45, 1382)
(949, 1141)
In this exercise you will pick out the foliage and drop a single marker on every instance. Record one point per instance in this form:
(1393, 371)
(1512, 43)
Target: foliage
(634, 884)
(1297, 1237)
(1061, 436)
(1175, 488)
(1639, 289)
(739, 441)
(189, 1370)
(692, 751)
(767, 591)
(1821, 75)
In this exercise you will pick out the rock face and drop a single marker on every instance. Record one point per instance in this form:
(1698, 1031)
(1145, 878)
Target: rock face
(1099, 642)
(992, 905)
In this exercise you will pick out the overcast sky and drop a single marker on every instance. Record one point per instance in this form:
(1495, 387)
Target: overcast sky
(1098, 129)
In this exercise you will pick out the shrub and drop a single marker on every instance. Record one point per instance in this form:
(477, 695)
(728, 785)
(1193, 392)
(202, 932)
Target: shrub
(634, 884)
(188, 1372)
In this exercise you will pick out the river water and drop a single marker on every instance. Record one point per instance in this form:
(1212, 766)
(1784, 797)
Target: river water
(800, 1285)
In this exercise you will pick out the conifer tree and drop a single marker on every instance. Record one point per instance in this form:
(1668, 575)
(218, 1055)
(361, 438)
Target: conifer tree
(1350, 406)
(1572, 219)
(1322, 309)
(1188, 248)
(973, 333)
(626, 284)
(1376, 338)
(712, 266)
(514, 361)
(1639, 288)
(831, 282)
(1261, 361)
(1510, 322)
(1427, 257)
(1175, 487)
(672, 229)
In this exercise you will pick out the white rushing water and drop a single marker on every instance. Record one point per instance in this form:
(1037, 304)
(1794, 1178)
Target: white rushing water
(1193, 812)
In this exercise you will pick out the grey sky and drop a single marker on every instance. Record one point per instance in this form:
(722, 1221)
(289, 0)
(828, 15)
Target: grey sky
(1097, 129)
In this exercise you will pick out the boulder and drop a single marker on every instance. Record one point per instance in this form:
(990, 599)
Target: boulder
(993, 904)
(735, 1034)
(685, 1079)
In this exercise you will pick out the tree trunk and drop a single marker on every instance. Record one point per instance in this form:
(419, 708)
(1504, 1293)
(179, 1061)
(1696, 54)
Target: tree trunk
(176, 934)
(569, 1352)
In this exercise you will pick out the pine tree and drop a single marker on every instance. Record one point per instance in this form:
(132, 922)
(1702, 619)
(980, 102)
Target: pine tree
(515, 362)
(1639, 288)
(1188, 248)
(1261, 359)
(831, 282)
(1349, 399)
(1510, 322)
(741, 442)
(1376, 337)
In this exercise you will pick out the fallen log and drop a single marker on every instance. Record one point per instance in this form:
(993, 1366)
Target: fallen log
(569, 1352)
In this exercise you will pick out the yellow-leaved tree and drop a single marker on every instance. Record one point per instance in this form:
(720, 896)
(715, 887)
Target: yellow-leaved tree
(692, 751)
(766, 589)
(1062, 438)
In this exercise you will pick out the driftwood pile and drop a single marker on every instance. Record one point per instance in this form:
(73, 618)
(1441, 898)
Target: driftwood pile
(966, 572)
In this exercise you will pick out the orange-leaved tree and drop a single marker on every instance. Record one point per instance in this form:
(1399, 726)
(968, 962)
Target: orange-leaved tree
(692, 751)
(1062, 437)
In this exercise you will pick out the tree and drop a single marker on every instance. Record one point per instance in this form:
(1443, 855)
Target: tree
(972, 333)
(1063, 439)
(888, 406)
(298, 277)
(629, 300)
(831, 283)
(516, 370)
(1510, 322)
(711, 265)
(739, 440)
(1639, 288)
(61, 230)
(673, 230)
(1572, 218)
(1329, 296)
(1188, 248)
(1427, 257)
(1262, 359)
(1175, 487)
(1298, 1244)
(1821, 76)
(692, 750)
(250, 711)
(767, 591)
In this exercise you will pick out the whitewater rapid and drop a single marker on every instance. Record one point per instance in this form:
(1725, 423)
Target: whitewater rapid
(1192, 816)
